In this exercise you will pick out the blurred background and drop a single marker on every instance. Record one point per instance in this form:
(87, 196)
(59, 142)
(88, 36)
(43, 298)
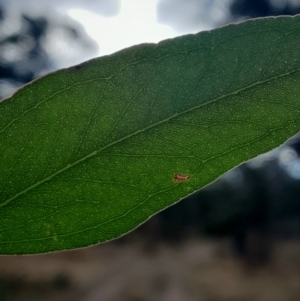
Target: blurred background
(236, 239)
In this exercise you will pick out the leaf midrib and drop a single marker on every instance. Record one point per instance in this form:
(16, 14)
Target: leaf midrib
(94, 153)
(119, 216)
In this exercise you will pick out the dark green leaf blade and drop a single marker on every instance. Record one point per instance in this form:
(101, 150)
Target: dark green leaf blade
(89, 153)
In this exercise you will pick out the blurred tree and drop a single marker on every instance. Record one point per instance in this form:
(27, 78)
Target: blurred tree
(30, 46)
(263, 8)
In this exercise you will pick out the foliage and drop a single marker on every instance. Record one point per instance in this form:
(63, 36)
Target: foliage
(89, 153)
(28, 48)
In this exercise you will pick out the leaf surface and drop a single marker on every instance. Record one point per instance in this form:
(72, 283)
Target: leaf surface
(91, 152)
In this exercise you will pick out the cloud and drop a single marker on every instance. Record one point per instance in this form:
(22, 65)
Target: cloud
(103, 7)
(187, 16)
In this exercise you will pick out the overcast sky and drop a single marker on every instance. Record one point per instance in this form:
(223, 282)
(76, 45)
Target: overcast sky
(137, 21)
(116, 24)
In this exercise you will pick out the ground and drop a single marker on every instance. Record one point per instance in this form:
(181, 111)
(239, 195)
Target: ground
(195, 269)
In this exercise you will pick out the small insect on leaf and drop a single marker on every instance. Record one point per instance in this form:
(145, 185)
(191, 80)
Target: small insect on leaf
(178, 178)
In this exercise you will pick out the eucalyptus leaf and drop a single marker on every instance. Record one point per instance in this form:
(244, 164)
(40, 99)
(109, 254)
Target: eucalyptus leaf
(91, 152)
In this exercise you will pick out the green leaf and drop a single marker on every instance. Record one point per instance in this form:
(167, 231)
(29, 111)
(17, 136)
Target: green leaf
(91, 152)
